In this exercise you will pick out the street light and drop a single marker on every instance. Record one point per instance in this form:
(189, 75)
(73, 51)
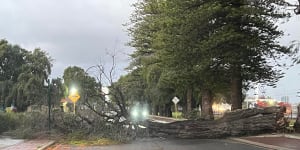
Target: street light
(49, 104)
(73, 91)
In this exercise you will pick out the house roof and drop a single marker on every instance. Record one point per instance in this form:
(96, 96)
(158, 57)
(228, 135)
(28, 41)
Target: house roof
(65, 100)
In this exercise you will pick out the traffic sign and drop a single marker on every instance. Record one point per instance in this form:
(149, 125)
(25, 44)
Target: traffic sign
(175, 100)
(74, 98)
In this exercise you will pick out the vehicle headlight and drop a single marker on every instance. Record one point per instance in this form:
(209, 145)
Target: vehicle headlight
(145, 113)
(134, 113)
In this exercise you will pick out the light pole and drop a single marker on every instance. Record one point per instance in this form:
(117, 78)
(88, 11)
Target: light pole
(49, 105)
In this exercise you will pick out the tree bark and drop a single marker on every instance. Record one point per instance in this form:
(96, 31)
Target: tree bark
(236, 91)
(297, 9)
(155, 110)
(189, 100)
(161, 110)
(206, 111)
(168, 111)
(236, 123)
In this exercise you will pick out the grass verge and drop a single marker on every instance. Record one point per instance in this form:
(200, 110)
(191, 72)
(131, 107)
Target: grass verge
(89, 142)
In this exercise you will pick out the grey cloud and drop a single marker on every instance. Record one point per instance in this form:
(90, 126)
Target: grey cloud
(82, 32)
(73, 32)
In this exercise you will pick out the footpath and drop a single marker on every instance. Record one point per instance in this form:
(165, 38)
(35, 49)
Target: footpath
(7, 143)
(273, 141)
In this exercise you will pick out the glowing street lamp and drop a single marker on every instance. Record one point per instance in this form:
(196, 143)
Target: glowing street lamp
(73, 91)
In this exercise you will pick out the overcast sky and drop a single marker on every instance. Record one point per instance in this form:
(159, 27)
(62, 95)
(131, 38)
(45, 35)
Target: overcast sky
(73, 32)
(83, 32)
(290, 84)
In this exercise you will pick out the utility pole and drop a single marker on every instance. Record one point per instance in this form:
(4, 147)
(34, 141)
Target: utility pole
(49, 105)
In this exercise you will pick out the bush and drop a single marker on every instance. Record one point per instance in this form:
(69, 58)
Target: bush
(193, 115)
(68, 123)
(23, 125)
(76, 128)
(35, 124)
(177, 115)
(8, 121)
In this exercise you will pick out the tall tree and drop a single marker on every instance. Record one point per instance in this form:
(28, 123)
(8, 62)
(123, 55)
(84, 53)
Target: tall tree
(30, 87)
(57, 91)
(245, 41)
(181, 53)
(23, 74)
(200, 40)
(164, 29)
(76, 77)
(143, 29)
(12, 57)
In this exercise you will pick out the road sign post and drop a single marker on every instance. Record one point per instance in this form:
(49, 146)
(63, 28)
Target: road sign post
(175, 100)
(74, 98)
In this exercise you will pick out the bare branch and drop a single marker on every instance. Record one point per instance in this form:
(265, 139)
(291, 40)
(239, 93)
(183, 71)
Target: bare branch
(97, 112)
(112, 68)
(114, 109)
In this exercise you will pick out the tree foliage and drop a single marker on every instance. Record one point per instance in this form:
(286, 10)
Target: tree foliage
(206, 46)
(23, 74)
(76, 77)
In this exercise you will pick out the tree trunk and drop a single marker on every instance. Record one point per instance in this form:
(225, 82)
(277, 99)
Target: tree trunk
(161, 110)
(236, 92)
(297, 9)
(206, 111)
(168, 111)
(236, 123)
(183, 104)
(155, 110)
(189, 100)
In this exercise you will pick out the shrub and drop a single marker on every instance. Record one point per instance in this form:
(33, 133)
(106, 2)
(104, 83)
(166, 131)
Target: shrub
(193, 115)
(35, 124)
(8, 121)
(75, 127)
(23, 125)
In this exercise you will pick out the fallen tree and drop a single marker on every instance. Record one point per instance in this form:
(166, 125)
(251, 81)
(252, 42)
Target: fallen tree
(236, 123)
(297, 123)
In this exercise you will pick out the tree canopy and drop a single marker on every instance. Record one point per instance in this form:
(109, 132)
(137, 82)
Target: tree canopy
(207, 46)
(23, 75)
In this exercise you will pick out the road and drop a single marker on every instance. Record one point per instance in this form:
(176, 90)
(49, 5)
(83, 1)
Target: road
(170, 144)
